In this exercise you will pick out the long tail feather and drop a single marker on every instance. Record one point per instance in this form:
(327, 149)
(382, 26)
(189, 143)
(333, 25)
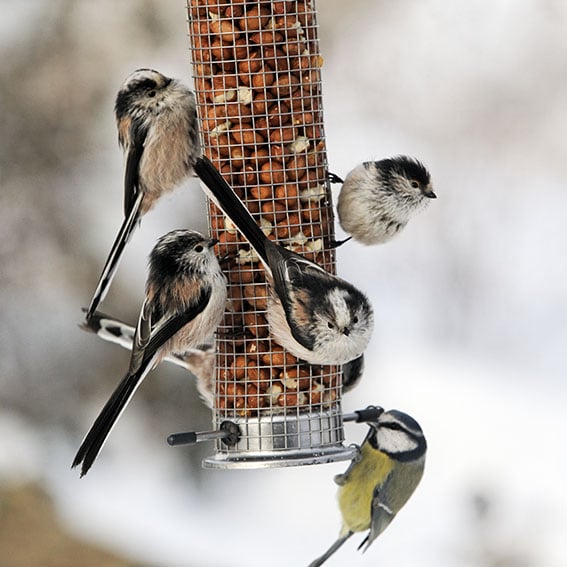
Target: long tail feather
(115, 255)
(109, 329)
(227, 200)
(199, 360)
(330, 551)
(101, 428)
(115, 331)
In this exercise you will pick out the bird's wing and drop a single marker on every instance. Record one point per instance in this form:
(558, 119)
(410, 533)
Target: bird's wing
(138, 133)
(142, 335)
(381, 513)
(288, 267)
(296, 298)
(294, 281)
(299, 267)
(149, 337)
(278, 263)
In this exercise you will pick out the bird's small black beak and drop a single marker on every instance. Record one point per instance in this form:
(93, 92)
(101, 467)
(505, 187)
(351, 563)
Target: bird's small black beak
(346, 331)
(212, 242)
(430, 194)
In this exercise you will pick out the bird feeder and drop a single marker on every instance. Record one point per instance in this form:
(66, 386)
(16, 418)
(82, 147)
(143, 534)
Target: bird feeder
(257, 73)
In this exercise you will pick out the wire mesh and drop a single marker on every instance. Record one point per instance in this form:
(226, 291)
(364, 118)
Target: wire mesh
(257, 74)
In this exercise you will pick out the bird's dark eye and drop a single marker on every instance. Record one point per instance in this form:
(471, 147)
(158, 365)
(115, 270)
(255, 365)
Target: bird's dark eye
(330, 325)
(414, 184)
(152, 94)
(355, 319)
(199, 248)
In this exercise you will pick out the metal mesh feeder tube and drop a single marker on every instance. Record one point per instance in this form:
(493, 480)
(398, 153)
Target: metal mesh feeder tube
(257, 73)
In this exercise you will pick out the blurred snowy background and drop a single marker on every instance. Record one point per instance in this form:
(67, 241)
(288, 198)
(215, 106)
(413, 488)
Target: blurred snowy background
(470, 300)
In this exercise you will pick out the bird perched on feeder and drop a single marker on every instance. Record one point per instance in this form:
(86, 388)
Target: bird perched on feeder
(184, 303)
(381, 480)
(377, 198)
(157, 130)
(316, 316)
(199, 360)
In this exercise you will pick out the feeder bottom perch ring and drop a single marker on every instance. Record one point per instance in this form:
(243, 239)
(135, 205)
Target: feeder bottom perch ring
(284, 441)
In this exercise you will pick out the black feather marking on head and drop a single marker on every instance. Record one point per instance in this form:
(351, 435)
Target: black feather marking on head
(408, 167)
(122, 104)
(137, 87)
(356, 300)
(412, 168)
(166, 258)
(402, 422)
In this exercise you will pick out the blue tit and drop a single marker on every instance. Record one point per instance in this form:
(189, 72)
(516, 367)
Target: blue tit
(381, 479)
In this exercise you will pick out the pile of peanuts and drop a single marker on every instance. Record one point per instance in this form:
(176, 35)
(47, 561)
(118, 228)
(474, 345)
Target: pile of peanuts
(257, 75)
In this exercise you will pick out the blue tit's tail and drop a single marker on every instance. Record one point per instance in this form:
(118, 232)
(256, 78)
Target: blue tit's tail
(229, 203)
(331, 550)
(101, 428)
(115, 255)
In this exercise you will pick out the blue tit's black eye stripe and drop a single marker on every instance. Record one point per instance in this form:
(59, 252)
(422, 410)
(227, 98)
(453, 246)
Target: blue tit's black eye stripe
(411, 433)
(415, 435)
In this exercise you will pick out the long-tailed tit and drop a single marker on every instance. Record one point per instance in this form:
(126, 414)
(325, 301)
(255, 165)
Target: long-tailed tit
(184, 303)
(317, 316)
(378, 198)
(199, 360)
(157, 130)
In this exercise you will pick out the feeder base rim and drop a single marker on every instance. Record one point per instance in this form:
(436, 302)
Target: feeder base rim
(274, 459)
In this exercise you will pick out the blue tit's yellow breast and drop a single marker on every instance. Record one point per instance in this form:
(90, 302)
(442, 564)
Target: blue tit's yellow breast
(355, 496)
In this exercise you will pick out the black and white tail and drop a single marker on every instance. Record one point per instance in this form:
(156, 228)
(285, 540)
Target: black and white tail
(101, 428)
(115, 255)
(228, 201)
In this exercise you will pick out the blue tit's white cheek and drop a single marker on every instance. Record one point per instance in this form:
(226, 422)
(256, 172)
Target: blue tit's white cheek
(394, 441)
